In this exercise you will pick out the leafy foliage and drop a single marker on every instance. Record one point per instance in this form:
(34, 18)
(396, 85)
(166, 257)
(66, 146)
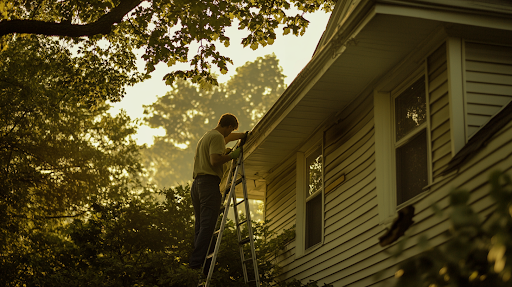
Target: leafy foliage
(187, 112)
(59, 151)
(476, 254)
(142, 240)
(166, 30)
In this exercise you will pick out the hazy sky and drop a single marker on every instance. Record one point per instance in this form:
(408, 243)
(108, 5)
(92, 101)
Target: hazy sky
(293, 53)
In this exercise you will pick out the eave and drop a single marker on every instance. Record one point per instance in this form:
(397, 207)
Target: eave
(369, 45)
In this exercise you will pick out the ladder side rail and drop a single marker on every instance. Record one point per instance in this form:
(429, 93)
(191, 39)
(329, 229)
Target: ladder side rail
(228, 181)
(239, 234)
(221, 231)
(249, 229)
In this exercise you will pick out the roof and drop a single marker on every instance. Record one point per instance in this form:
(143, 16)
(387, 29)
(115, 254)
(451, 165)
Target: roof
(480, 139)
(364, 47)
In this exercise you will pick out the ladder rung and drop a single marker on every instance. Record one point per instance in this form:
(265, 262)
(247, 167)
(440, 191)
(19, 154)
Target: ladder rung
(244, 241)
(240, 202)
(210, 255)
(216, 232)
(237, 182)
(221, 209)
(242, 222)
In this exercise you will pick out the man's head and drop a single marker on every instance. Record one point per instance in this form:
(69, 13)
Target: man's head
(227, 120)
(227, 124)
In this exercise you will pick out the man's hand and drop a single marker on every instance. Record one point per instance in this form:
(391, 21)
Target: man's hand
(244, 138)
(235, 136)
(235, 154)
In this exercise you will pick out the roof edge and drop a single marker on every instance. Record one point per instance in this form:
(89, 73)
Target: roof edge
(307, 77)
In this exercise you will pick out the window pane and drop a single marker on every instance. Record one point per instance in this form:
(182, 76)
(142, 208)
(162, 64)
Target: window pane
(314, 172)
(314, 221)
(410, 109)
(411, 167)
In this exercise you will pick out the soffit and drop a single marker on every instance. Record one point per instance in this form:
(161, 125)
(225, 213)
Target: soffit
(336, 76)
(378, 47)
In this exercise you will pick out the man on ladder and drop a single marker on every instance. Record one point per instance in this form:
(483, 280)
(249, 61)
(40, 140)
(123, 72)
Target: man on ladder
(205, 191)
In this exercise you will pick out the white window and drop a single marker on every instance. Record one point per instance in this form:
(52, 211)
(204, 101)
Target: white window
(402, 145)
(310, 201)
(314, 186)
(417, 124)
(410, 141)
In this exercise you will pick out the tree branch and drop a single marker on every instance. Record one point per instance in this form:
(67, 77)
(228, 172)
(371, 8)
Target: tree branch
(49, 217)
(102, 26)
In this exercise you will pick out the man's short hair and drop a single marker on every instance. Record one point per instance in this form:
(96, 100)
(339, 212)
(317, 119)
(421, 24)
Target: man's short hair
(228, 120)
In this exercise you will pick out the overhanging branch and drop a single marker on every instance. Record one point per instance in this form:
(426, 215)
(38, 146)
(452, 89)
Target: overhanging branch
(22, 216)
(102, 26)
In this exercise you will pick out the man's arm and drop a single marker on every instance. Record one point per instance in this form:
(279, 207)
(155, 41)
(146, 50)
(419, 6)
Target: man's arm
(219, 159)
(233, 137)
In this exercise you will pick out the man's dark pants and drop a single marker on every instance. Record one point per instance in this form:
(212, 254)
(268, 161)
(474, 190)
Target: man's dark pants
(206, 199)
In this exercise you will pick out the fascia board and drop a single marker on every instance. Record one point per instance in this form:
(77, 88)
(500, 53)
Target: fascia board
(484, 19)
(475, 6)
(343, 23)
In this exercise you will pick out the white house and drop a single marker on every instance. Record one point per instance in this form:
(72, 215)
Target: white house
(396, 92)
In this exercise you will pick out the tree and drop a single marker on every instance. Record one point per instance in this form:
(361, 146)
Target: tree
(187, 112)
(166, 30)
(59, 149)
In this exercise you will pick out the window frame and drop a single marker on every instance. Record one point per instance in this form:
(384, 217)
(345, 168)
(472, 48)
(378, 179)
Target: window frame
(302, 198)
(314, 195)
(386, 145)
(395, 93)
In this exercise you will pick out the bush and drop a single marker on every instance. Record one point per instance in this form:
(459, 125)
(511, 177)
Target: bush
(144, 240)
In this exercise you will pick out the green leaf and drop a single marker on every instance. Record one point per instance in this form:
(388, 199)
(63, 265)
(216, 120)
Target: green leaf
(171, 62)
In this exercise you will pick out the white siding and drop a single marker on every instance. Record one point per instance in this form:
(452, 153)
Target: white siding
(350, 254)
(351, 216)
(473, 177)
(280, 200)
(488, 77)
(437, 86)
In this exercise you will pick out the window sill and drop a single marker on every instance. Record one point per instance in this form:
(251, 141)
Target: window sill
(426, 191)
(414, 200)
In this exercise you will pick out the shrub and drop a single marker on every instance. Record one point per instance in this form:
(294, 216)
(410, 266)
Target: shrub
(144, 240)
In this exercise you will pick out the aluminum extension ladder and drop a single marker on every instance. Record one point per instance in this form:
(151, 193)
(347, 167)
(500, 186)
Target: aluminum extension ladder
(233, 180)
